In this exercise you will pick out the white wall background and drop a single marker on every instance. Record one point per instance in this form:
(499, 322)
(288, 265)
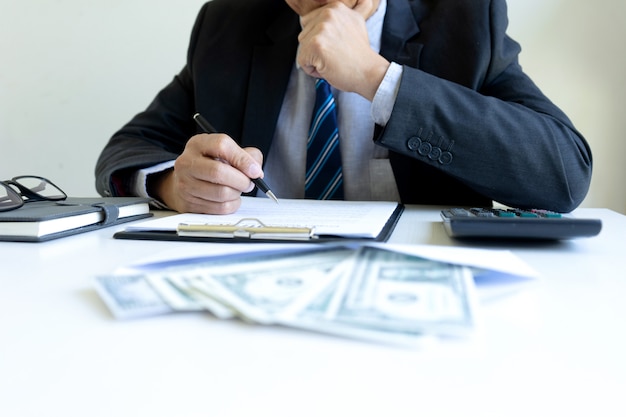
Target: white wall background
(73, 72)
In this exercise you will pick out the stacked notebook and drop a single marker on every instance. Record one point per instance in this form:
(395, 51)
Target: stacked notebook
(45, 220)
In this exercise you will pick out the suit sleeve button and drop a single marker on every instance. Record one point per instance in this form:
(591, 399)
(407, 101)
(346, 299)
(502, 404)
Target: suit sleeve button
(414, 143)
(445, 158)
(425, 148)
(435, 153)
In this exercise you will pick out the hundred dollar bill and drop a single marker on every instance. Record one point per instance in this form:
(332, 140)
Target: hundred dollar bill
(130, 296)
(261, 289)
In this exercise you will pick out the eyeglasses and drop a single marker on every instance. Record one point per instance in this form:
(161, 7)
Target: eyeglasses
(26, 188)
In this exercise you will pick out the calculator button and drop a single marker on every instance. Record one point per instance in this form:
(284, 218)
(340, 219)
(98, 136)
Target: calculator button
(480, 212)
(527, 214)
(504, 213)
(547, 214)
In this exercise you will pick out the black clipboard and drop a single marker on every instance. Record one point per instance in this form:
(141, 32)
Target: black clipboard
(234, 237)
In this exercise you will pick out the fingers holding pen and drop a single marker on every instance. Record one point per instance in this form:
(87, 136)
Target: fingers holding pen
(212, 172)
(241, 164)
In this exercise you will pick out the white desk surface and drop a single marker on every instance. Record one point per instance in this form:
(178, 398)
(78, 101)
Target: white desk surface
(555, 347)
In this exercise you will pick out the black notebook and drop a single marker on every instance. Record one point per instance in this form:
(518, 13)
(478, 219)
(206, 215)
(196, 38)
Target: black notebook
(45, 220)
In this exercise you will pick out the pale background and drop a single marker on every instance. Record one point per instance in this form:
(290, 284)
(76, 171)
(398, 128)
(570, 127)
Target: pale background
(72, 72)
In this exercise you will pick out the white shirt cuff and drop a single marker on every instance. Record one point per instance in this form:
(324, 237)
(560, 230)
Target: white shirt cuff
(385, 97)
(140, 188)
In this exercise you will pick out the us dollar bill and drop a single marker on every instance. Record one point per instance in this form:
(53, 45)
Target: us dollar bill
(252, 286)
(131, 296)
(260, 290)
(391, 289)
(390, 296)
(176, 288)
(367, 293)
(191, 284)
(168, 286)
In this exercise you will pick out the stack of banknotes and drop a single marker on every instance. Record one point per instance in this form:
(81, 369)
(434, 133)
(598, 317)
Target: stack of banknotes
(365, 292)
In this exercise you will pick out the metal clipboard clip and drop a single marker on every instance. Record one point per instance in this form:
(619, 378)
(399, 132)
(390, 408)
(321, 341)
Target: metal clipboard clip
(246, 228)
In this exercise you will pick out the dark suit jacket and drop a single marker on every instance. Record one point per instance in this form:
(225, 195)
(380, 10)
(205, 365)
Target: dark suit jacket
(468, 125)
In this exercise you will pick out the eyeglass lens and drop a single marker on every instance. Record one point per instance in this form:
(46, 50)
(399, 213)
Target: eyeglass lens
(9, 198)
(41, 186)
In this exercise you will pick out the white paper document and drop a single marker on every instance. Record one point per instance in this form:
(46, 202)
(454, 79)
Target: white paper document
(335, 218)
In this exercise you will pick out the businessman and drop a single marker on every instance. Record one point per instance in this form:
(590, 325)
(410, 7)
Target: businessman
(430, 102)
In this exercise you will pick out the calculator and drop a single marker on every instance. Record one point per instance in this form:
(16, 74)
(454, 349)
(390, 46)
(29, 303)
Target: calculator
(511, 223)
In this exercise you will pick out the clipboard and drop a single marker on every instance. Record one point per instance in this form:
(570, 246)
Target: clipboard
(247, 232)
(246, 228)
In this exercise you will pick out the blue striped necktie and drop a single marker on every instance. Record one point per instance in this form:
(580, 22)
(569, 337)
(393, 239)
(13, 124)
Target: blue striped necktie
(324, 178)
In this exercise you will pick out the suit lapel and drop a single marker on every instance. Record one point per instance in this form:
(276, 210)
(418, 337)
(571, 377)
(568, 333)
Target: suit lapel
(400, 30)
(272, 61)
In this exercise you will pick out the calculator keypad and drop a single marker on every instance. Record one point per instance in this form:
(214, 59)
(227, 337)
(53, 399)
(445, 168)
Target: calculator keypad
(515, 223)
(497, 212)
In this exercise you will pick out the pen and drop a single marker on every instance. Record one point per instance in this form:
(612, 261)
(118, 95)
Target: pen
(208, 128)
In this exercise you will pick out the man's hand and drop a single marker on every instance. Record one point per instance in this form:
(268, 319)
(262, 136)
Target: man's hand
(209, 176)
(334, 45)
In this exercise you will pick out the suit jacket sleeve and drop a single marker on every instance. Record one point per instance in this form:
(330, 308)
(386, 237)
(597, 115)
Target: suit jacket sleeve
(471, 114)
(155, 135)
(238, 63)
